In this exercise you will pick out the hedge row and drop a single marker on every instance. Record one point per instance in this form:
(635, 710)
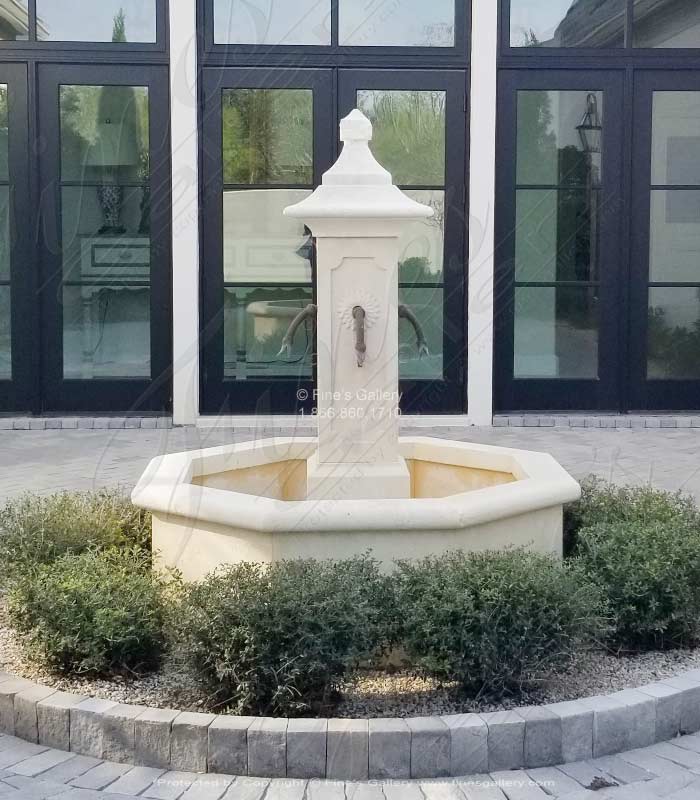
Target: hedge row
(280, 640)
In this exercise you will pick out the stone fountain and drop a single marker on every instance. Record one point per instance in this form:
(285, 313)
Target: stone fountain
(358, 486)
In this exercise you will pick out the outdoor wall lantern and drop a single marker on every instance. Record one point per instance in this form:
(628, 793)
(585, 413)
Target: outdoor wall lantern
(590, 130)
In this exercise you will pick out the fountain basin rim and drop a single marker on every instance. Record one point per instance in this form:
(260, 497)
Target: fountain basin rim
(166, 488)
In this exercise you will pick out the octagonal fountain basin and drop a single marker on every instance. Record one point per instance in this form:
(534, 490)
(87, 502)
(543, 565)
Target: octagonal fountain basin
(247, 502)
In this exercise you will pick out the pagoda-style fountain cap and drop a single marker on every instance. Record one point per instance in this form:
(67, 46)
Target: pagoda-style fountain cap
(357, 186)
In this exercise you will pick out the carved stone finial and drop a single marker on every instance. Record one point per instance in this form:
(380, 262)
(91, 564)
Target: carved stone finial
(355, 128)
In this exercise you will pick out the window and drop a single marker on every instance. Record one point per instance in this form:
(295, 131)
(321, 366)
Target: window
(674, 250)
(267, 166)
(116, 21)
(338, 23)
(604, 23)
(106, 247)
(305, 22)
(567, 23)
(14, 21)
(5, 288)
(556, 239)
(666, 23)
(400, 23)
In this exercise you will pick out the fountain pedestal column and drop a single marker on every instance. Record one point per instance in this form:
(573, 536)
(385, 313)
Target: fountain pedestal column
(357, 216)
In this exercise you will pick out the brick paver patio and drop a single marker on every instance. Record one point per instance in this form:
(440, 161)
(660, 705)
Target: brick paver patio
(46, 461)
(670, 770)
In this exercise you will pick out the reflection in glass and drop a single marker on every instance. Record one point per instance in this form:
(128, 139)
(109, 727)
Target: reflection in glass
(260, 244)
(98, 21)
(105, 224)
(4, 233)
(106, 331)
(666, 23)
(550, 146)
(675, 236)
(422, 242)
(409, 133)
(4, 131)
(428, 305)
(674, 333)
(14, 20)
(567, 23)
(676, 139)
(270, 22)
(556, 332)
(104, 134)
(268, 136)
(554, 236)
(400, 23)
(5, 335)
(255, 322)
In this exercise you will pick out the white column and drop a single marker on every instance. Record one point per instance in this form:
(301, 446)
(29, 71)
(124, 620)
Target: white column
(482, 194)
(184, 127)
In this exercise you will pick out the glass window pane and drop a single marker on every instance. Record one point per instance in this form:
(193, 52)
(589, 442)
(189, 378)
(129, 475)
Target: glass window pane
(567, 23)
(551, 135)
(255, 322)
(675, 236)
(260, 244)
(14, 21)
(100, 21)
(409, 134)
(428, 305)
(676, 139)
(104, 134)
(268, 136)
(556, 235)
(669, 23)
(674, 333)
(4, 132)
(4, 233)
(422, 242)
(270, 22)
(5, 335)
(105, 223)
(106, 331)
(556, 332)
(400, 23)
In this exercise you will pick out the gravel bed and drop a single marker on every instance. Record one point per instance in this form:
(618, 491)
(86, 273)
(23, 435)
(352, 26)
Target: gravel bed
(369, 693)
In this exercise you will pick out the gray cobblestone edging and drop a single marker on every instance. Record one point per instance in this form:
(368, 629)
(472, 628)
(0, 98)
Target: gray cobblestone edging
(606, 421)
(343, 749)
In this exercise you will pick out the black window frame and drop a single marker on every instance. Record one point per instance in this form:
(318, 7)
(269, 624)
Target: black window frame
(19, 392)
(29, 392)
(628, 50)
(512, 393)
(333, 55)
(22, 48)
(128, 394)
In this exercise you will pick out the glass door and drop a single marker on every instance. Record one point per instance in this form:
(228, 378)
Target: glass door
(268, 136)
(665, 286)
(18, 364)
(420, 136)
(106, 225)
(559, 324)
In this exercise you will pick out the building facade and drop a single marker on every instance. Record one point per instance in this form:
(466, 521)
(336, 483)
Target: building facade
(147, 150)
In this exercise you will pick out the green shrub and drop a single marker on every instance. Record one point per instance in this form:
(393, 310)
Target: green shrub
(603, 502)
(650, 573)
(276, 640)
(495, 621)
(36, 530)
(100, 612)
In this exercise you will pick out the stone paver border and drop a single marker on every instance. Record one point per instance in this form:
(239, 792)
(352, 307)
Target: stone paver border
(352, 750)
